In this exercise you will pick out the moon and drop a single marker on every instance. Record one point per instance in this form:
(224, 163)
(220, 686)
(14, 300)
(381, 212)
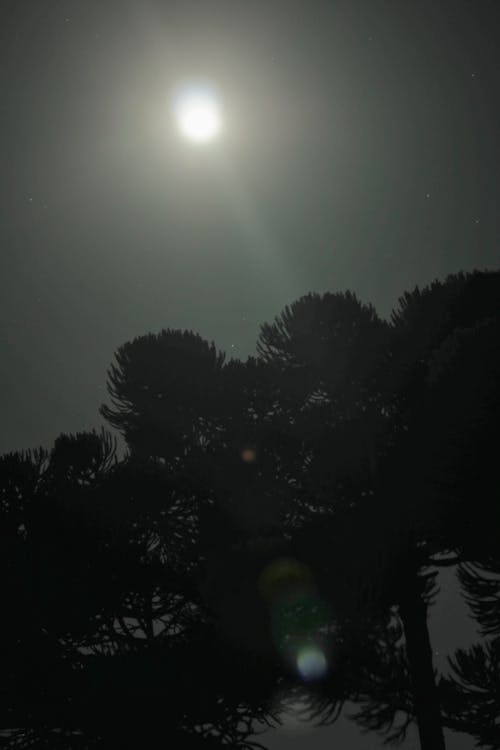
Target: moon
(198, 114)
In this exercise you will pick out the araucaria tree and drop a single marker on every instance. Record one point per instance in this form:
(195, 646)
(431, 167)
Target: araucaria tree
(274, 529)
(357, 459)
(403, 417)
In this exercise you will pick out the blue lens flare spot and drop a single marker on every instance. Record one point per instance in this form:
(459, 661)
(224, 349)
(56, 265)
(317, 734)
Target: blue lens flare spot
(311, 663)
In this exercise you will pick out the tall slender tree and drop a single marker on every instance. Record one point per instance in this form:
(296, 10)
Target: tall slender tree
(399, 388)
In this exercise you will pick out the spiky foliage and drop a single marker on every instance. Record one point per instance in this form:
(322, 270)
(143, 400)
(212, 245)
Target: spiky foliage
(82, 458)
(332, 342)
(481, 585)
(164, 388)
(108, 639)
(425, 318)
(342, 472)
(371, 456)
(471, 696)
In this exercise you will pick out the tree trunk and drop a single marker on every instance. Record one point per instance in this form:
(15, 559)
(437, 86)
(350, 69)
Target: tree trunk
(413, 611)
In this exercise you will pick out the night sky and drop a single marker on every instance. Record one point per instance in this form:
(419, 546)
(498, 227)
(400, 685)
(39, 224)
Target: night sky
(361, 150)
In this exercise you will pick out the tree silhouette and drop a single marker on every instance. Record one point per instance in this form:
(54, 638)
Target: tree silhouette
(452, 426)
(415, 379)
(274, 530)
(164, 393)
(113, 642)
(289, 417)
(471, 696)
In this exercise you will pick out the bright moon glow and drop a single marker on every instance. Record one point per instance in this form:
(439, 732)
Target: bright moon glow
(198, 115)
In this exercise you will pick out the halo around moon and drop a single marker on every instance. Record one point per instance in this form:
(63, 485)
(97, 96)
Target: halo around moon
(197, 113)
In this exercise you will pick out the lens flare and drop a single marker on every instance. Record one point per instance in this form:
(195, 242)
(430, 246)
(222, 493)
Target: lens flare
(285, 578)
(311, 663)
(249, 455)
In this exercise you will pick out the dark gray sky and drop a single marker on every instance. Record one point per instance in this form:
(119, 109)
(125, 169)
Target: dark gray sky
(361, 151)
